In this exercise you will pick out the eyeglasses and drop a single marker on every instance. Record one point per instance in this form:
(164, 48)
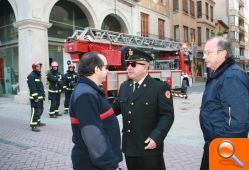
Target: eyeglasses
(210, 52)
(106, 66)
(133, 64)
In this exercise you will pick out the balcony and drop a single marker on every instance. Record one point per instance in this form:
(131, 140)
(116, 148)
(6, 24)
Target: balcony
(242, 28)
(241, 13)
(242, 3)
(129, 2)
(242, 43)
(242, 57)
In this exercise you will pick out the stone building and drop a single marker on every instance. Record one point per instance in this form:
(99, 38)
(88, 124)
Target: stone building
(35, 30)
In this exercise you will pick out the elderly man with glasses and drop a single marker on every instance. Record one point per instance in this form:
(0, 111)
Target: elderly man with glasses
(147, 108)
(225, 103)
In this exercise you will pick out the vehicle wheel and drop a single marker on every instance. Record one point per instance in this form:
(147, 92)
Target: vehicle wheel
(184, 86)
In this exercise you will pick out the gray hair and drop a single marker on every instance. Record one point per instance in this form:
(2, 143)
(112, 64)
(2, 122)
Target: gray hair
(223, 44)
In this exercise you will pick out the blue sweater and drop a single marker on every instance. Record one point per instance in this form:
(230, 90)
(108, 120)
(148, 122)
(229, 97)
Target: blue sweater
(225, 103)
(96, 133)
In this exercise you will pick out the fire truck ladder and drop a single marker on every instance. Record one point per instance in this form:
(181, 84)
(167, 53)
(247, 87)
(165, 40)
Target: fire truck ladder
(117, 38)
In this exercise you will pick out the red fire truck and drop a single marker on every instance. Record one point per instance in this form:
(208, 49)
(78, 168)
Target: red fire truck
(171, 62)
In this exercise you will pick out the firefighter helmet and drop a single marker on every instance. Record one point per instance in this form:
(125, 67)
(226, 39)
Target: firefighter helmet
(54, 64)
(36, 63)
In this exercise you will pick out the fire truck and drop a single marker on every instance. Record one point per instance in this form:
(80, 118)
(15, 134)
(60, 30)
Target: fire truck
(171, 62)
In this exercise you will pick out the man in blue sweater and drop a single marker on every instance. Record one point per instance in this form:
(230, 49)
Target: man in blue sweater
(225, 103)
(96, 133)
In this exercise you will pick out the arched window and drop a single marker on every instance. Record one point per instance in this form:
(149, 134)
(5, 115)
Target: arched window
(8, 50)
(112, 23)
(66, 17)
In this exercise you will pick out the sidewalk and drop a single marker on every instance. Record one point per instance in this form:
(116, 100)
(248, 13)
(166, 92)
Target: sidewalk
(20, 148)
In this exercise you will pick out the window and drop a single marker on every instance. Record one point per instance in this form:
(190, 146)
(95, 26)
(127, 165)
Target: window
(234, 35)
(185, 5)
(234, 4)
(192, 35)
(66, 17)
(192, 8)
(176, 33)
(212, 13)
(175, 5)
(233, 20)
(144, 24)
(207, 11)
(207, 33)
(8, 33)
(199, 36)
(161, 28)
(199, 9)
(185, 30)
(111, 23)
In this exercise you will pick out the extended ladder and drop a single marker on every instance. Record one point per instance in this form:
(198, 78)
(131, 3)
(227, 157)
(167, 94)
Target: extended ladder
(117, 38)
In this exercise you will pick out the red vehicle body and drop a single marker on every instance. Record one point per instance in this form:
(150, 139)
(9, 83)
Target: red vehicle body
(166, 53)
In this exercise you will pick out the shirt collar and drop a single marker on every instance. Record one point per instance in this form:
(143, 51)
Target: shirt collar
(141, 81)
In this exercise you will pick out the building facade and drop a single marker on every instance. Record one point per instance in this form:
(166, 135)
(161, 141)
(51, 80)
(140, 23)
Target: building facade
(184, 26)
(35, 30)
(205, 23)
(192, 22)
(235, 14)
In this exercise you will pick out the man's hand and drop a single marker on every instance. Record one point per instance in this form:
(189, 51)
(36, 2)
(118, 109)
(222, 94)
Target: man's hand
(151, 144)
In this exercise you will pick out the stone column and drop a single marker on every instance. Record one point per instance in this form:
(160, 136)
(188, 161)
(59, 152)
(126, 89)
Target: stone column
(32, 46)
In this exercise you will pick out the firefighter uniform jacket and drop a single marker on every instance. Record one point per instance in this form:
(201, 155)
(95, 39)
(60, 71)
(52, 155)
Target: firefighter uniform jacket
(55, 81)
(96, 133)
(36, 87)
(148, 112)
(70, 79)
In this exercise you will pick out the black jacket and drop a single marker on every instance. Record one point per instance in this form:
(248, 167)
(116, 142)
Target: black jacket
(36, 87)
(55, 81)
(146, 113)
(69, 81)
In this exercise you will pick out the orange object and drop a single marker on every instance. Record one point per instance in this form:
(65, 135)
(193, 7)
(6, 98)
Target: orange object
(229, 153)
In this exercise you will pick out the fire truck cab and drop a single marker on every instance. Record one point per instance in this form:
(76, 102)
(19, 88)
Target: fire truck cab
(171, 63)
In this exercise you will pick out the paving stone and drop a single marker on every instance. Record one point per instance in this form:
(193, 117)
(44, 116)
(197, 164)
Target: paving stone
(22, 149)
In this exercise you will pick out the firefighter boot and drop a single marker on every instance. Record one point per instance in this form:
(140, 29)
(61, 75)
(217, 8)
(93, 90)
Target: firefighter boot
(41, 124)
(53, 116)
(35, 129)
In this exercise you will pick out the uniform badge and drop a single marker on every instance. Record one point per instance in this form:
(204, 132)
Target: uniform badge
(130, 52)
(167, 94)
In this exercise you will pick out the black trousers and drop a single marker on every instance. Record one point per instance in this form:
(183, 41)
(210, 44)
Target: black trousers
(205, 157)
(155, 162)
(36, 112)
(67, 100)
(54, 103)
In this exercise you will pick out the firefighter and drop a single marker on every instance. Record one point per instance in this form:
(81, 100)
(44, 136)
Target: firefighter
(146, 105)
(37, 95)
(70, 79)
(54, 90)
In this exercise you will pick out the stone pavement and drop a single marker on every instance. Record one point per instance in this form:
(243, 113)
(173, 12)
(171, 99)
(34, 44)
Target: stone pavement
(23, 149)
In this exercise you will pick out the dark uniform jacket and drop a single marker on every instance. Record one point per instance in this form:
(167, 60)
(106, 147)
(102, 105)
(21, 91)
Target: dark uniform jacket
(36, 87)
(70, 79)
(225, 103)
(146, 113)
(55, 81)
(96, 133)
